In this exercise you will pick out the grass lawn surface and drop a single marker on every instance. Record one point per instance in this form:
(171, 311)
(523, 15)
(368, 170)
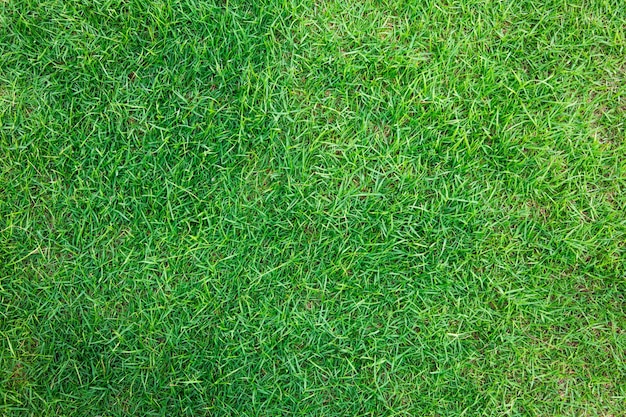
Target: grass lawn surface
(313, 207)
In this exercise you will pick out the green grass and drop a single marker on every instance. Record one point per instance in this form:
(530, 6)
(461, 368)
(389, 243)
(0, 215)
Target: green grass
(313, 207)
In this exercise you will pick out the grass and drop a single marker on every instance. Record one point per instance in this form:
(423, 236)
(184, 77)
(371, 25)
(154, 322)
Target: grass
(298, 207)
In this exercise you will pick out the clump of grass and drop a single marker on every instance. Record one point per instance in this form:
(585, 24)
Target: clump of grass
(298, 207)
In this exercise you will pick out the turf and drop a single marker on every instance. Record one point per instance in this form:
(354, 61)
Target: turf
(313, 207)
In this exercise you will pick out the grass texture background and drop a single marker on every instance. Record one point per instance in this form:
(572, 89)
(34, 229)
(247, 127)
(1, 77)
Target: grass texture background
(298, 207)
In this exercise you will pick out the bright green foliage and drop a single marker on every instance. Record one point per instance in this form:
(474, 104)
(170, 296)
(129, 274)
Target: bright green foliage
(312, 207)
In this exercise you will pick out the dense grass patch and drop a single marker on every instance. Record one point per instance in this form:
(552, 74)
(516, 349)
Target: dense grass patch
(277, 207)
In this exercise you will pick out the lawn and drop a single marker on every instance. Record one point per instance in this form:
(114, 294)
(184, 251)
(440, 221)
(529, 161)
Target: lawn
(313, 207)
